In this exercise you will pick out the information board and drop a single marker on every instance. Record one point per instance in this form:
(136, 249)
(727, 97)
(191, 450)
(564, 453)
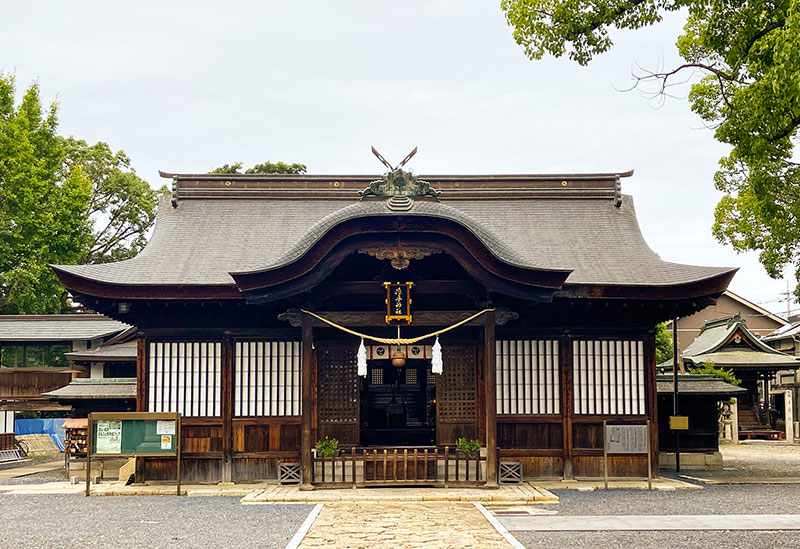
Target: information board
(133, 436)
(626, 439)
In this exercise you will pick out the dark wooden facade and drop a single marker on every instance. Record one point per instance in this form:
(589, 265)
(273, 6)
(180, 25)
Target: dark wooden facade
(561, 349)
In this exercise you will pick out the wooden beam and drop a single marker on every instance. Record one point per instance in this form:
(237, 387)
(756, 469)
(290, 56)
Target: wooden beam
(460, 287)
(33, 405)
(566, 403)
(490, 370)
(141, 374)
(305, 439)
(652, 398)
(227, 408)
(374, 319)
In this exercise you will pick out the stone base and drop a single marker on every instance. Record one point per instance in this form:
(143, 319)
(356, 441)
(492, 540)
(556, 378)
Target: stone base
(691, 461)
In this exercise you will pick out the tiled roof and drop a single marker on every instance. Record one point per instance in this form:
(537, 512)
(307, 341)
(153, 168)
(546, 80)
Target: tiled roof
(211, 235)
(101, 388)
(693, 384)
(57, 327)
(119, 352)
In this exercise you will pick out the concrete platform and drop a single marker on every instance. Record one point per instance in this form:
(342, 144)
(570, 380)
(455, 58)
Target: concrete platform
(662, 484)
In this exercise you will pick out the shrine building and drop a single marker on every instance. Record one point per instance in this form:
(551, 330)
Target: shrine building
(252, 297)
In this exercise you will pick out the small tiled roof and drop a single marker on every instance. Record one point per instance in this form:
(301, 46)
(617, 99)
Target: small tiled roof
(698, 384)
(100, 388)
(208, 236)
(106, 353)
(57, 327)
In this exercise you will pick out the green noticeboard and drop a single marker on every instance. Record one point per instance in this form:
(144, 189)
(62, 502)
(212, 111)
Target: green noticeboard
(134, 436)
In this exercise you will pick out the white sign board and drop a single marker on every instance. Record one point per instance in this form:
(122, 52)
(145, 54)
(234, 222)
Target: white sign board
(165, 427)
(109, 437)
(626, 439)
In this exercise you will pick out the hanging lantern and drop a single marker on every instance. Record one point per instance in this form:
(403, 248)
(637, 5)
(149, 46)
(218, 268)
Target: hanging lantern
(361, 358)
(436, 357)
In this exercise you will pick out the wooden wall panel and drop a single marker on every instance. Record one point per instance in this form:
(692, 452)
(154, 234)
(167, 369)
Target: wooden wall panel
(201, 438)
(587, 436)
(530, 435)
(456, 395)
(255, 469)
(193, 470)
(618, 466)
(337, 395)
(542, 466)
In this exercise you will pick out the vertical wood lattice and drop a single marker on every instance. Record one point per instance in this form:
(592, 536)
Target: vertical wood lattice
(185, 377)
(455, 393)
(608, 377)
(528, 377)
(337, 390)
(266, 378)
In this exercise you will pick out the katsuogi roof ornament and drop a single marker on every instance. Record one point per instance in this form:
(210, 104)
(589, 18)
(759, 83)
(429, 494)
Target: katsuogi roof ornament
(397, 182)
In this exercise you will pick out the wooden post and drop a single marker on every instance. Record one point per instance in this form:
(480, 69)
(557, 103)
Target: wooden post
(142, 395)
(305, 440)
(227, 408)
(605, 455)
(178, 452)
(490, 371)
(566, 404)
(89, 443)
(652, 401)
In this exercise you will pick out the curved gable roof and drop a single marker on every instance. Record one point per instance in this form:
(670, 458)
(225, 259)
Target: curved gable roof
(532, 222)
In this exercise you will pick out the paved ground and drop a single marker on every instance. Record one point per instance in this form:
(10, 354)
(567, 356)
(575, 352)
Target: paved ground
(750, 499)
(393, 525)
(72, 521)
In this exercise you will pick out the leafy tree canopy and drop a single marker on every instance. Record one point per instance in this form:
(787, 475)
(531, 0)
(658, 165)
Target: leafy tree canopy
(749, 53)
(664, 347)
(61, 201)
(708, 368)
(265, 168)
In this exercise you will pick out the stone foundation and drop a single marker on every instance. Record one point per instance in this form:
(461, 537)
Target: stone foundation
(691, 461)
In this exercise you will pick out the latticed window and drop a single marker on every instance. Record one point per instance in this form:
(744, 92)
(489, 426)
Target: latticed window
(185, 377)
(528, 377)
(266, 377)
(608, 377)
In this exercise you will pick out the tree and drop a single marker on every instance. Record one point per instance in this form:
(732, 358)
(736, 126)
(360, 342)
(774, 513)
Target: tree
(664, 348)
(61, 201)
(265, 168)
(708, 368)
(122, 207)
(43, 214)
(748, 52)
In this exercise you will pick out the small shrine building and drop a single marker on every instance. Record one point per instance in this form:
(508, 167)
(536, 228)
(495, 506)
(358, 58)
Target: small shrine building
(253, 292)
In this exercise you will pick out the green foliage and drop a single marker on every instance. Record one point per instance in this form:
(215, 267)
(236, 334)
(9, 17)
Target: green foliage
(467, 447)
(61, 201)
(122, 207)
(327, 446)
(265, 168)
(749, 51)
(43, 214)
(708, 368)
(664, 347)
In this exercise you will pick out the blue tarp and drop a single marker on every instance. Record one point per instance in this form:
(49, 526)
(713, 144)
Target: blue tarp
(52, 427)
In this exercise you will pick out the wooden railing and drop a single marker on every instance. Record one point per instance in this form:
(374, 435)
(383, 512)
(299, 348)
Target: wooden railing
(443, 466)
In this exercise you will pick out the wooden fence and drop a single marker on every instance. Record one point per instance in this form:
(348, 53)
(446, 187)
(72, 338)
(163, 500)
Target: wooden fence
(442, 466)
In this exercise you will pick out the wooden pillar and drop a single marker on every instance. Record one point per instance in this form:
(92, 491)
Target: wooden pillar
(141, 373)
(566, 404)
(305, 440)
(651, 393)
(227, 408)
(490, 371)
(142, 396)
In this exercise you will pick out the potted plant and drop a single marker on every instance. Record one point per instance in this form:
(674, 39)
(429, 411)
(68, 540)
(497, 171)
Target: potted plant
(467, 447)
(327, 446)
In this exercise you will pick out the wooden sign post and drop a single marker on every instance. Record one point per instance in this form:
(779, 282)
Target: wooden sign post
(133, 434)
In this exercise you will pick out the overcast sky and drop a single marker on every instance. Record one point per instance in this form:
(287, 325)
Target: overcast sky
(188, 86)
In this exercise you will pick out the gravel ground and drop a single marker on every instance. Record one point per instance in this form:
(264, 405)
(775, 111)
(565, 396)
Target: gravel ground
(62, 521)
(56, 475)
(757, 458)
(748, 499)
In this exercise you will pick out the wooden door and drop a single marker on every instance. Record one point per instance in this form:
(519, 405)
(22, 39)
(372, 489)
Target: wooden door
(456, 395)
(337, 395)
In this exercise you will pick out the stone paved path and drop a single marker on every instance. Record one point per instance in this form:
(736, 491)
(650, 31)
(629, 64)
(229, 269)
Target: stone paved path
(398, 525)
